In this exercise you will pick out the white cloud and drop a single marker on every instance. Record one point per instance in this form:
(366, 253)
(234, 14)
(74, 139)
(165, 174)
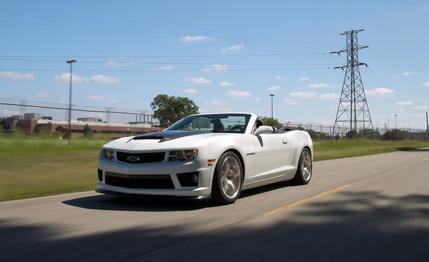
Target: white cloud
(12, 75)
(303, 95)
(194, 38)
(233, 48)
(190, 90)
(405, 103)
(113, 100)
(274, 88)
(238, 93)
(198, 80)
(257, 98)
(119, 63)
(65, 78)
(103, 79)
(98, 79)
(319, 85)
(406, 74)
(215, 67)
(42, 95)
(165, 68)
(227, 84)
(291, 102)
(380, 92)
(303, 79)
(329, 96)
(216, 102)
(426, 84)
(94, 98)
(421, 108)
(279, 77)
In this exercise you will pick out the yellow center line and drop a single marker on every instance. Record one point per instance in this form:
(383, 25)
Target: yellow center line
(305, 200)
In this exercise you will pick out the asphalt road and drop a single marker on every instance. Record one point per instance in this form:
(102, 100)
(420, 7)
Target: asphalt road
(372, 208)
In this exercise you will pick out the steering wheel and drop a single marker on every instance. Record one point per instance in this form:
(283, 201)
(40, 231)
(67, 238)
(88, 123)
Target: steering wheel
(237, 128)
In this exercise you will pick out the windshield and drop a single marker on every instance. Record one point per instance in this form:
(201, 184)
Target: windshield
(216, 123)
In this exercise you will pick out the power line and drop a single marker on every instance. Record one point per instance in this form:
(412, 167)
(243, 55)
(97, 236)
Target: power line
(172, 71)
(73, 109)
(166, 62)
(167, 56)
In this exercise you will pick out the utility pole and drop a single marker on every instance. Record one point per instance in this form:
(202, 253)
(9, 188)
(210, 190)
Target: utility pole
(427, 123)
(352, 106)
(272, 114)
(70, 62)
(388, 124)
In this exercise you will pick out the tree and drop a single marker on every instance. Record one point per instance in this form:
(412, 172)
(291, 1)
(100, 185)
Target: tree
(268, 121)
(169, 109)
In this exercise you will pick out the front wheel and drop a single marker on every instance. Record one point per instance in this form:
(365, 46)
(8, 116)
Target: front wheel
(227, 179)
(305, 168)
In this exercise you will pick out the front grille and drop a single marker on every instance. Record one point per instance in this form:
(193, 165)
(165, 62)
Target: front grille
(139, 181)
(136, 158)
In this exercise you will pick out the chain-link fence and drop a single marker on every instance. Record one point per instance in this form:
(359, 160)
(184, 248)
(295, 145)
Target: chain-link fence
(323, 131)
(34, 117)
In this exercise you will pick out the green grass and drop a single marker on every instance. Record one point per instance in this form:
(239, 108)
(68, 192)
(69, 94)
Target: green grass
(333, 149)
(32, 166)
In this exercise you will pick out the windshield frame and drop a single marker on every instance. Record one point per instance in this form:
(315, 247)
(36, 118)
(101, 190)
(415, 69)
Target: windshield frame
(186, 120)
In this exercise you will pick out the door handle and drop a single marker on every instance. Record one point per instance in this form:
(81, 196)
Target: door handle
(284, 141)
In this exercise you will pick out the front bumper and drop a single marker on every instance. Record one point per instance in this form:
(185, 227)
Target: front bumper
(171, 169)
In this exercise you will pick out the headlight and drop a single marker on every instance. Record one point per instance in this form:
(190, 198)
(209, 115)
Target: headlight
(183, 155)
(109, 154)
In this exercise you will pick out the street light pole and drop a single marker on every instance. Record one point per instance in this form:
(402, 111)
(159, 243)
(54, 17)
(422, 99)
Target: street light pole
(70, 62)
(272, 114)
(396, 121)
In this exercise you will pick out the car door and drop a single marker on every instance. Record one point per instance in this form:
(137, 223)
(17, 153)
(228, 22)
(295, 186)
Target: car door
(271, 153)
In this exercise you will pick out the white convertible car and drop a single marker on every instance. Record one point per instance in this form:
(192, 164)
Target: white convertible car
(205, 155)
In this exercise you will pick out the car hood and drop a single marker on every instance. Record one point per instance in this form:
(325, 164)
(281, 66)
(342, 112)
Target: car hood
(165, 140)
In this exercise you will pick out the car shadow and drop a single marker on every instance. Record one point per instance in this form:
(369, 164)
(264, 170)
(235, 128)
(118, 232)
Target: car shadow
(132, 203)
(414, 149)
(157, 204)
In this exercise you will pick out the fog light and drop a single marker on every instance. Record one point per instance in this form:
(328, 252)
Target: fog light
(195, 178)
(188, 179)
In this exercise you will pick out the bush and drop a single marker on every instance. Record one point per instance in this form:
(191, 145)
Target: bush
(352, 134)
(87, 131)
(369, 133)
(395, 134)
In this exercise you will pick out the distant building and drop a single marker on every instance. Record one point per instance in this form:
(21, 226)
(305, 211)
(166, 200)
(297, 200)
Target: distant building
(17, 117)
(28, 116)
(89, 119)
(46, 118)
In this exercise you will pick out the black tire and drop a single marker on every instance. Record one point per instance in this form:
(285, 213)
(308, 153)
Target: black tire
(300, 177)
(218, 196)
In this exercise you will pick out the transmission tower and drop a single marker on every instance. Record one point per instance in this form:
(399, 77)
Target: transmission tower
(353, 110)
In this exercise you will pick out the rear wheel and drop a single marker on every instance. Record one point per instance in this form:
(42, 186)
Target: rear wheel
(228, 179)
(305, 168)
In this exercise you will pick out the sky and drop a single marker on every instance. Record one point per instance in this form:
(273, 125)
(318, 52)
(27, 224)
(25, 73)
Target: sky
(224, 55)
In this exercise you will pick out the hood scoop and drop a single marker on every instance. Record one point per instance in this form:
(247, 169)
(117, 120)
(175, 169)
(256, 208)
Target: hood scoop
(164, 136)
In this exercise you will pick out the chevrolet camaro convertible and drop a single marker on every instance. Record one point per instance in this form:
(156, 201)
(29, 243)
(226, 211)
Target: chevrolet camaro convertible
(205, 156)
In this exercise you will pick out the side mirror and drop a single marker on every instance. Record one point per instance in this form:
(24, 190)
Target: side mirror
(263, 130)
